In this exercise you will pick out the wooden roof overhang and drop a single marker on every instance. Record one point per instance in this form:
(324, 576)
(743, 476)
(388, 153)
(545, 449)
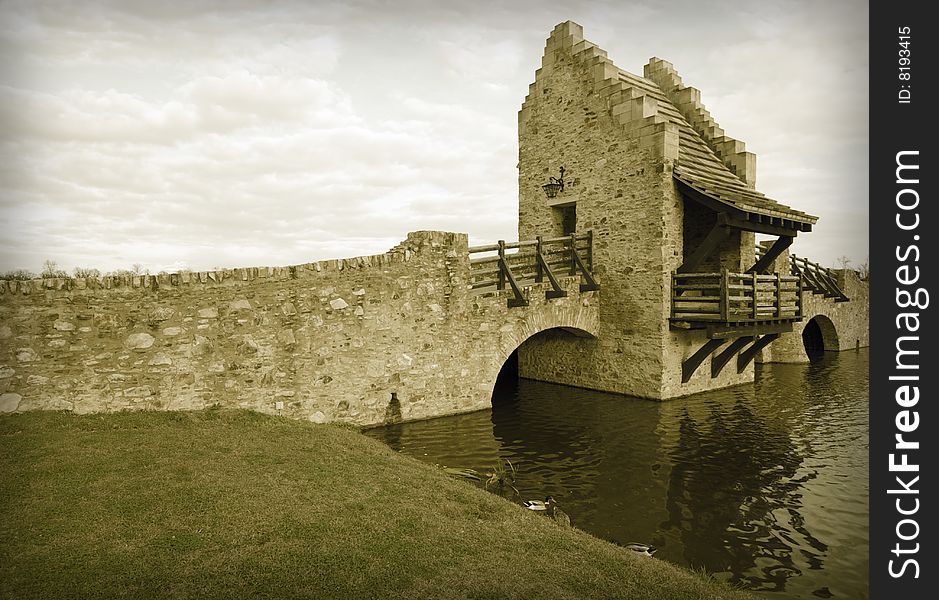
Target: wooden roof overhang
(742, 211)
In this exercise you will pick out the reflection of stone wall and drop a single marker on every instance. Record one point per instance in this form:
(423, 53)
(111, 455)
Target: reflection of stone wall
(324, 341)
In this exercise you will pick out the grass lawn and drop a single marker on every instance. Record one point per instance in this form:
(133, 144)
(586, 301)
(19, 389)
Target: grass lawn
(230, 504)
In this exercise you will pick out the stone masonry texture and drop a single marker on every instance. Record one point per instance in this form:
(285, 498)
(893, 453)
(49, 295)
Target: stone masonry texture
(326, 341)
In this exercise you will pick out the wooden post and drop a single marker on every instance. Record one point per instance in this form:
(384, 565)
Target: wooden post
(754, 280)
(799, 298)
(674, 292)
(590, 249)
(573, 254)
(725, 296)
(539, 275)
(778, 298)
(501, 283)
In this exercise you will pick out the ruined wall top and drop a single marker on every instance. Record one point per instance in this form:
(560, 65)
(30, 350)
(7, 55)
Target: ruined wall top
(402, 252)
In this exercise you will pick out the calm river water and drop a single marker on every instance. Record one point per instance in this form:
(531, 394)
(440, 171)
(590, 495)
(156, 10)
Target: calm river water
(765, 486)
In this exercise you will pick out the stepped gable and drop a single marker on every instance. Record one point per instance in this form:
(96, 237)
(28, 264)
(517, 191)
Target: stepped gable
(669, 118)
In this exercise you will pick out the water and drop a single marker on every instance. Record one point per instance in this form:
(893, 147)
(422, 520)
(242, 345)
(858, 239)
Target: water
(762, 485)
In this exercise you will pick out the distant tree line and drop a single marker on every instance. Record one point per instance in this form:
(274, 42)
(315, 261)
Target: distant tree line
(51, 270)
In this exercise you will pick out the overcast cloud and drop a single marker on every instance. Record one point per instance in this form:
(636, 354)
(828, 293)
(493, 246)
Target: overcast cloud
(223, 134)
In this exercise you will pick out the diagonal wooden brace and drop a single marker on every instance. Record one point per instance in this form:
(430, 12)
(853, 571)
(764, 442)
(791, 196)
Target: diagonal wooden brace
(750, 353)
(543, 268)
(691, 364)
(714, 238)
(519, 299)
(590, 284)
(771, 255)
(718, 362)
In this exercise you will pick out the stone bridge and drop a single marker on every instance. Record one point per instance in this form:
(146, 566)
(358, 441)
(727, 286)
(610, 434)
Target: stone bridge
(365, 340)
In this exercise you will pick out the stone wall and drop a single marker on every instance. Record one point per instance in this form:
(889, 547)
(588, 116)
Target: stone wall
(367, 340)
(618, 155)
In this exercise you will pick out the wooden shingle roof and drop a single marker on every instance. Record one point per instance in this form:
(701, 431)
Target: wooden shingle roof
(701, 174)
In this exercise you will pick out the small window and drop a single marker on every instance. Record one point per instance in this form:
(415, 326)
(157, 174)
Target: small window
(566, 218)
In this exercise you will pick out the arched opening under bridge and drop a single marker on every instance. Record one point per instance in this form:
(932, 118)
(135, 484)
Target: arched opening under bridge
(819, 335)
(539, 354)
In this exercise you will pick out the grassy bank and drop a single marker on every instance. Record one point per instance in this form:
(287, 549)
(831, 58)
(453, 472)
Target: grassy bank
(236, 504)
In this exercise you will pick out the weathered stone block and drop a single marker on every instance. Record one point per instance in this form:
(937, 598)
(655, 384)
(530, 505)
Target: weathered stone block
(138, 341)
(9, 402)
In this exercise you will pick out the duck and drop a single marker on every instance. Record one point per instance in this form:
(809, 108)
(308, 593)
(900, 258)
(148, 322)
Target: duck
(537, 504)
(560, 517)
(640, 549)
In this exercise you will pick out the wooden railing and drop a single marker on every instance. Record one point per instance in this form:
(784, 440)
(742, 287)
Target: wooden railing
(516, 264)
(817, 279)
(736, 297)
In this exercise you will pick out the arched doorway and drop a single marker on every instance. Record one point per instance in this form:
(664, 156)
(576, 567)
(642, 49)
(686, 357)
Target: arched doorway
(819, 336)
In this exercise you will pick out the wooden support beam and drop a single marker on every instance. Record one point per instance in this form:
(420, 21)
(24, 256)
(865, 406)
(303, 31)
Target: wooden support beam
(705, 200)
(714, 238)
(734, 330)
(762, 265)
(573, 243)
(765, 227)
(539, 274)
(590, 249)
(557, 291)
(505, 274)
(691, 364)
(814, 283)
(750, 353)
(718, 362)
(590, 284)
(500, 284)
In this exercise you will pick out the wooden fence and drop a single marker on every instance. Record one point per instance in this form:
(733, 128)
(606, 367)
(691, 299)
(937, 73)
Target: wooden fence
(817, 279)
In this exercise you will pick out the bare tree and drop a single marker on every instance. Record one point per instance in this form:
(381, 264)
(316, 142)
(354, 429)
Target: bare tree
(83, 272)
(18, 275)
(864, 271)
(50, 269)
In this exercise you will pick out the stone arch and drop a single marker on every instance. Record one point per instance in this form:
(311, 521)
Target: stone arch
(819, 334)
(571, 321)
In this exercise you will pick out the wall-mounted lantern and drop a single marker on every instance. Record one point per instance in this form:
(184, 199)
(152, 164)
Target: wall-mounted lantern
(557, 185)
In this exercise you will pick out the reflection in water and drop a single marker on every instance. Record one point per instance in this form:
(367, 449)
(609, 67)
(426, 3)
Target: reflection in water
(732, 474)
(765, 485)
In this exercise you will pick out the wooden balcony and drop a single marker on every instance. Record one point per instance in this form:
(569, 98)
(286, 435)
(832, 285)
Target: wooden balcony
(728, 303)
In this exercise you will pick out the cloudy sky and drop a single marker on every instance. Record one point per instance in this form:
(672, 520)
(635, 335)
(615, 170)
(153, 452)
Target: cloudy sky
(187, 134)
